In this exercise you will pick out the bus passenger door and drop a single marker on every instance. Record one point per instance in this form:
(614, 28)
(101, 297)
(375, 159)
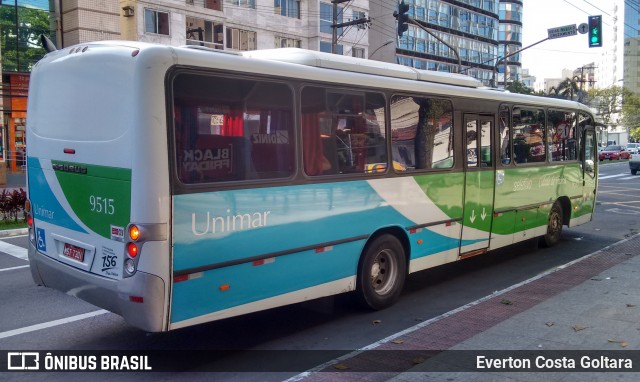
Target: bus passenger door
(479, 184)
(589, 175)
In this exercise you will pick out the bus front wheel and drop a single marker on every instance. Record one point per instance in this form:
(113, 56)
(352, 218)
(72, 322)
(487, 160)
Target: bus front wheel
(381, 272)
(554, 227)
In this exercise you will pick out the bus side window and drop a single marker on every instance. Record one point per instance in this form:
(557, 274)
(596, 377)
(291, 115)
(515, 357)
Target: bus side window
(421, 133)
(231, 129)
(342, 132)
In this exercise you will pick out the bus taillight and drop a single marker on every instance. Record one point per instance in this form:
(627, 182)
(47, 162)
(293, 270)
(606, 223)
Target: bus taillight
(134, 232)
(132, 249)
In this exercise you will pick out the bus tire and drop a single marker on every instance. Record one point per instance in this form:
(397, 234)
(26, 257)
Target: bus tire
(554, 227)
(381, 273)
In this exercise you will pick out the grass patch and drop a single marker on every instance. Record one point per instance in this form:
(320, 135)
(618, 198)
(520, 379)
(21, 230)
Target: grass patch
(11, 224)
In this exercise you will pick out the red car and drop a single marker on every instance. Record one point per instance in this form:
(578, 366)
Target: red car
(614, 152)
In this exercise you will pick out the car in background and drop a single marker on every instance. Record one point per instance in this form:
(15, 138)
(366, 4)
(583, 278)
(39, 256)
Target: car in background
(633, 148)
(614, 152)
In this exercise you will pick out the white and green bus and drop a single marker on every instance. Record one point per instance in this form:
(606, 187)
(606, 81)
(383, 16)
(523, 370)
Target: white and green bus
(180, 185)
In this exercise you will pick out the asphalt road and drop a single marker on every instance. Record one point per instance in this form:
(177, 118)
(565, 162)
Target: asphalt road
(37, 318)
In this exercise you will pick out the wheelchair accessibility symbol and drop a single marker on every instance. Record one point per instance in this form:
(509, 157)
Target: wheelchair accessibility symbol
(41, 242)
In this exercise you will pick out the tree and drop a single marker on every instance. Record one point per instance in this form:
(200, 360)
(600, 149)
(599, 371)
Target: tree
(20, 40)
(568, 88)
(608, 102)
(519, 87)
(631, 114)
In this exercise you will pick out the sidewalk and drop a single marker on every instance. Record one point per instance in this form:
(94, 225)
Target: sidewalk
(591, 304)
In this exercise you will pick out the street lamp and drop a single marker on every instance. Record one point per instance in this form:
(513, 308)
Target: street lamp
(380, 47)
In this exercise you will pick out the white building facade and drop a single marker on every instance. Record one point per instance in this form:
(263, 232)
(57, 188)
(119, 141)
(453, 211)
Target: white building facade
(234, 25)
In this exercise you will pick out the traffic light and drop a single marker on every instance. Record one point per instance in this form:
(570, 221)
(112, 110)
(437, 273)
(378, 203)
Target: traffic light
(595, 31)
(402, 17)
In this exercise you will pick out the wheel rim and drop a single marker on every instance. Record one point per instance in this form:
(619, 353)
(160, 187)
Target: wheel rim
(555, 224)
(384, 271)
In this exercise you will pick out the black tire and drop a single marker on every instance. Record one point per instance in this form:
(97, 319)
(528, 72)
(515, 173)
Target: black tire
(554, 227)
(381, 273)
(634, 171)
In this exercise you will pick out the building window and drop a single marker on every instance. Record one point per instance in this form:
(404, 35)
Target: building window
(205, 33)
(326, 47)
(288, 8)
(359, 15)
(239, 39)
(357, 52)
(242, 3)
(284, 42)
(156, 22)
(326, 18)
(216, 5)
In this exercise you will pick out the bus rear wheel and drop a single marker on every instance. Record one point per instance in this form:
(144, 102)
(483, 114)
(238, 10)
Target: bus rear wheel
(381, 272)
(554, 227)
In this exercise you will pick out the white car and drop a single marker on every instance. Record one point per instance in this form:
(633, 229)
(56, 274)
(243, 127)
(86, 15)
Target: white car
(633, 148)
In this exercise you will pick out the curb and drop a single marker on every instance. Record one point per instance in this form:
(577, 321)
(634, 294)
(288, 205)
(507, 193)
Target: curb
(13, 232)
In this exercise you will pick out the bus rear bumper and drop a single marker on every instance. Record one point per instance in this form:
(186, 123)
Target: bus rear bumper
(112, 295)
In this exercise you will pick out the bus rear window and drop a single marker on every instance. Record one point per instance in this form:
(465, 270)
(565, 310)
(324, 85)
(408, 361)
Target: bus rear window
(231, 129)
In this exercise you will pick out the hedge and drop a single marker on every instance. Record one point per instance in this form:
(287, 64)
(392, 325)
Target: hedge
(12, 205)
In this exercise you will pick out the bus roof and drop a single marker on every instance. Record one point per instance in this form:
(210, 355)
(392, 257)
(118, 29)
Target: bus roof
(360, 65)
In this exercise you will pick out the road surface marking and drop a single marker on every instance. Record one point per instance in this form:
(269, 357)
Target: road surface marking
(14, 250)
(612, 176)
(50, 324)
(12, 268)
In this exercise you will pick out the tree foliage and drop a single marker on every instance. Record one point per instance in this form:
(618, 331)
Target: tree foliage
(20, 40)
(567, 89)
(607, 102)
(519, 87)
(631, 115)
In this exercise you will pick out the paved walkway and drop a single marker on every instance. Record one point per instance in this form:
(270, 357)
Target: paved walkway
(588, 308)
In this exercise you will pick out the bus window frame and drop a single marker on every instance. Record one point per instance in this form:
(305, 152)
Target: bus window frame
(341, 89)
(576, 133)
(498, 143)
(456, 144)
(180, 187)
(545, 162)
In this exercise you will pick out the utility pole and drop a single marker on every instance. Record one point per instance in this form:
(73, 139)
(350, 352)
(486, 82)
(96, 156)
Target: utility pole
(335, 25)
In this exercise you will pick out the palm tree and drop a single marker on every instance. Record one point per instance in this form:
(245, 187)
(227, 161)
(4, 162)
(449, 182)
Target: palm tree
(568, 88)
(553, 92)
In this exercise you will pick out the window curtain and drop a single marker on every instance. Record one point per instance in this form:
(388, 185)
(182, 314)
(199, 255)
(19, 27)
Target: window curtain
(312, 145)
(233, 124)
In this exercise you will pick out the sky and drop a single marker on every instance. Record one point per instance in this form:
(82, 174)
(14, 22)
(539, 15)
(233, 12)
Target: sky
(547, 59)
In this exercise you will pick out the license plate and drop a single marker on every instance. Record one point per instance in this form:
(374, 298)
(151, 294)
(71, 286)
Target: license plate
(73, 252)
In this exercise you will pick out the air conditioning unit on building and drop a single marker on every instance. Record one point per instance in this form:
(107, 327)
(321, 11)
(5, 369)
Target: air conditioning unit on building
(127, 11)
